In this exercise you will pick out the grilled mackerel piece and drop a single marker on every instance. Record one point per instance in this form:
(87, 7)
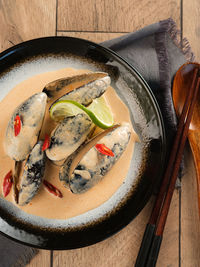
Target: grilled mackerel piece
(94, 165)
(31, 113)
(86, 93)
(68, 136)
(33, 175)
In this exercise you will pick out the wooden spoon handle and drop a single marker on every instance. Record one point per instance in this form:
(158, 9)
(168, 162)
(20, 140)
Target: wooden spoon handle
(194, 139)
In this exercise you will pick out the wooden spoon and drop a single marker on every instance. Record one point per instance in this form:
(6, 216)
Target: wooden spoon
(181, 85)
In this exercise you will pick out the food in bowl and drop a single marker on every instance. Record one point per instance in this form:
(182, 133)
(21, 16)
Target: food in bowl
(46, 142)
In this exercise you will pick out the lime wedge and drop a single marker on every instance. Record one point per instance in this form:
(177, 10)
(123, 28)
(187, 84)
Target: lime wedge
(62, 109)
(102, 111)
(98, 111)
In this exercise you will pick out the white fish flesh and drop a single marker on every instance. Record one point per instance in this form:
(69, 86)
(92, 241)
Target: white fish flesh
(59, 86)
(68, 136)
(86, 93)
(93, 166)
(33, 174)
(31, 113)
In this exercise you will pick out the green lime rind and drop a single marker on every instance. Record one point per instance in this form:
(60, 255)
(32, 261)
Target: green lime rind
(92, 116)
(58, 114)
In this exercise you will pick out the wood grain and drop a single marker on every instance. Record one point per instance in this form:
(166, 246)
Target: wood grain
(108, 16)
(114, 15)
(92, 36)
(121, 249)
(20, 21)
(23, 20)
(41, 259)
(170, 243)
(190, 227)
(191, 25)
(117, 251)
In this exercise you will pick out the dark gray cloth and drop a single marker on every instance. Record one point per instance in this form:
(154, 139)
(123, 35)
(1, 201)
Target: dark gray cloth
(156, 53)
(13, 254)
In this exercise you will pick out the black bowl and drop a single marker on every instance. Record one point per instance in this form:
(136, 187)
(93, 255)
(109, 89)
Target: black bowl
(40, 55)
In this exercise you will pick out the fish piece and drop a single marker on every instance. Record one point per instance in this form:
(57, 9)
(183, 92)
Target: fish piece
(59, 86)
(68, 136)
(72, 161)
(33, 175)
(86, 93)
(93, 165)
(31, 113)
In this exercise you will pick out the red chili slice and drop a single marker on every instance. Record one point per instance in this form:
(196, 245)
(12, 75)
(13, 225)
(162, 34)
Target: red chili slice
(7, 183)
(17, 125)
(52, 189)
(46, 143)
(104, 150)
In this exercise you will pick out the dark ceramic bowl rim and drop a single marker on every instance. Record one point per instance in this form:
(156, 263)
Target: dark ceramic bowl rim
(99, 237)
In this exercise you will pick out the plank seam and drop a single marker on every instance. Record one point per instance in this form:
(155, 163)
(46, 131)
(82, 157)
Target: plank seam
(89, 31)
(51, 258)
(56, 17)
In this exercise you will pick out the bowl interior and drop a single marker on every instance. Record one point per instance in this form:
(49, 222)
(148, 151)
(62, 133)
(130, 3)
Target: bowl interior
(53, 53)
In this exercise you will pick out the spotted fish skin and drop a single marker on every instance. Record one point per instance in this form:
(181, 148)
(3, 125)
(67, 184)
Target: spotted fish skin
(65, 168)
(86, 93)
(33, 175)
(62, 85)
(68, 136)
(94, 165)
(31, 113)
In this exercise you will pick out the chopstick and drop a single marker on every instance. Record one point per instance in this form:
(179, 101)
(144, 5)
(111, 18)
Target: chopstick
(152, 238)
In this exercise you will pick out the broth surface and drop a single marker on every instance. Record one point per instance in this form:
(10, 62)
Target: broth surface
(45, 204)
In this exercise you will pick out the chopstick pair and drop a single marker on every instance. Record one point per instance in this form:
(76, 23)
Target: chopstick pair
(152, 239)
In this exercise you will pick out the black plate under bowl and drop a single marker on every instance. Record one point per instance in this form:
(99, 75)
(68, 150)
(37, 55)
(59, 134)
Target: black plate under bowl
(51, 53)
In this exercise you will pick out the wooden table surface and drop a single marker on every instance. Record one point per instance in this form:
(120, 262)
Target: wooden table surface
(99, 20)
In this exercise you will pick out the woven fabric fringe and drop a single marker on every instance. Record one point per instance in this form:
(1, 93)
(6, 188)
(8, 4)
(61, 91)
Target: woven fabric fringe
(170, 27)
(164, 91)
